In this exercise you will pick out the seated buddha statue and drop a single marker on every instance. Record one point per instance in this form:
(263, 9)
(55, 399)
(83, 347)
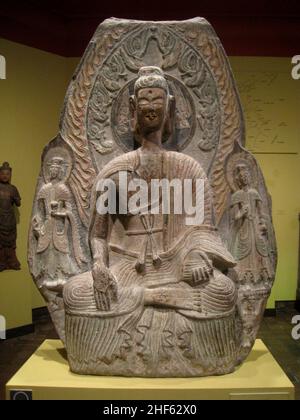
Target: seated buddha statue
(158, 301)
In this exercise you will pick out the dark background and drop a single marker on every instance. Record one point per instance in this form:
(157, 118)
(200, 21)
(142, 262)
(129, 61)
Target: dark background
(254, 28)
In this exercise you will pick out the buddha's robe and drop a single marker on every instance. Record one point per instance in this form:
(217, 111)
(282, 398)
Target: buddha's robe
(154, 340)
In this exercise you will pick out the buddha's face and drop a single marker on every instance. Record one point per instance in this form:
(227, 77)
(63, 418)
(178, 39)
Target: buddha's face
(5, 176)
(151, 109)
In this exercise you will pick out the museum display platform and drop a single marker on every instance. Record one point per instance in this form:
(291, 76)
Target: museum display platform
(46, 375)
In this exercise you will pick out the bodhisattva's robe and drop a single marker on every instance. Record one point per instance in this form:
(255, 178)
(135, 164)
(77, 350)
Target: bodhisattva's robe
(249, 245)
(56, 237)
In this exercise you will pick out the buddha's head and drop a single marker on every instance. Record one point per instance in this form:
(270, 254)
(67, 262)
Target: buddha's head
(5, 173)
(150, 104)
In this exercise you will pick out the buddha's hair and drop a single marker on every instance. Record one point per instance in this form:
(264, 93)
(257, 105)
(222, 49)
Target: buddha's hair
(151, 77)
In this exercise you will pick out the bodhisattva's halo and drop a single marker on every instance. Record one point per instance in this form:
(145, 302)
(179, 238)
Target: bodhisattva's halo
(237, 159)
(60, 153)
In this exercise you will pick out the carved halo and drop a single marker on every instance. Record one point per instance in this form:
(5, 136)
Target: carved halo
(241, 158)
(62, 153)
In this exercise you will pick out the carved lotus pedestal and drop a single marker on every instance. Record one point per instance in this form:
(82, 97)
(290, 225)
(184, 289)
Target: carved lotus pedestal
(164, 293)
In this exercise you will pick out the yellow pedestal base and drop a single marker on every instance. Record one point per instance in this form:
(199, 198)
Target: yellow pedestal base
(47, 375)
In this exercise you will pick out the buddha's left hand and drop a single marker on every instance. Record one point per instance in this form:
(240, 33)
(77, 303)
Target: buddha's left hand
(203, 272)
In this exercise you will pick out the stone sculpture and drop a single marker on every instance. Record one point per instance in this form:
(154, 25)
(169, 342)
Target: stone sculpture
(54, 225)
(251, 243)
(155, 293)
(165, 299)
(54, 235)
(9, 199)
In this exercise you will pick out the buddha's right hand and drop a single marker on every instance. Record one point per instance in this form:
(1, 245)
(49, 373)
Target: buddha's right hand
(105, 287)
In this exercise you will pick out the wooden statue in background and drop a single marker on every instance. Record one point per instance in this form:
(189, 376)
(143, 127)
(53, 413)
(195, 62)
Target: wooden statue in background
(9, 198)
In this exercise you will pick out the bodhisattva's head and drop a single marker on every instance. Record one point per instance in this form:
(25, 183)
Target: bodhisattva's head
(242, 175)
(56, 168)
(151, 103)
(5, 173)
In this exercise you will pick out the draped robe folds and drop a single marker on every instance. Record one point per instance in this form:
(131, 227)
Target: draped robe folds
(54, 234)
(155, 340)
(248, 245)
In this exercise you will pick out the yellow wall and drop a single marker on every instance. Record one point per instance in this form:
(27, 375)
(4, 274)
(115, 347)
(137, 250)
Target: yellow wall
(30, 104)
